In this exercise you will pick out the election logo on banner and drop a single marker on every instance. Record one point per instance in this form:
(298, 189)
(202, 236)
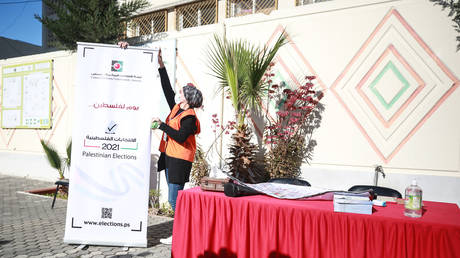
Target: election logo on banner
(117, 66)
(111, 128)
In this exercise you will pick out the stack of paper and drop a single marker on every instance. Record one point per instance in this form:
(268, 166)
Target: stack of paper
(352, 202)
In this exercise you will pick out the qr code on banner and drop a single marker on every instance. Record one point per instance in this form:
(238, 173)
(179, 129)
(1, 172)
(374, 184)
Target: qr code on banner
(106, 213)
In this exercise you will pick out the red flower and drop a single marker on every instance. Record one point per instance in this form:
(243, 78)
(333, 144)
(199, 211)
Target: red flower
(293, 120)
(282, 113)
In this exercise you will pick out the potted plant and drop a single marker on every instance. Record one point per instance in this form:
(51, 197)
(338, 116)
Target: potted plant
(55, 160)
(61, 164)
(289, 135)
(200, 167)
(239, 67)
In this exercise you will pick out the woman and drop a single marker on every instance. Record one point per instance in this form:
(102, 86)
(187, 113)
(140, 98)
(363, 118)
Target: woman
(178, 144)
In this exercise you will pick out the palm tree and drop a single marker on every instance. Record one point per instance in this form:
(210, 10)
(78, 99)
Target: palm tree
(55, 160)
(240, 67)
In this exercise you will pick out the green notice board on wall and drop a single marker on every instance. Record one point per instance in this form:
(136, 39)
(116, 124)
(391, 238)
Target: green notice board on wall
(26, 95)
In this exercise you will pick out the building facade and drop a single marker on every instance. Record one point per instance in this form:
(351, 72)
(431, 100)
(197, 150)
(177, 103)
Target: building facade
(387, 72)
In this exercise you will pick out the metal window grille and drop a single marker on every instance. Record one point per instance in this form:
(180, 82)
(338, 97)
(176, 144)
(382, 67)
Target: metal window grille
(196, 14)
(245, 7)
(305, 2)
(125, 32)
(148, 23)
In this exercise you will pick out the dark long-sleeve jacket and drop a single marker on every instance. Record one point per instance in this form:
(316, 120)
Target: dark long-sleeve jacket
(178, 169)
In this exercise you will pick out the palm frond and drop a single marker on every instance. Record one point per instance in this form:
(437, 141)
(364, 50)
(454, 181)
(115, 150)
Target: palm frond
(260, 60)
(240, 67)
(224, 65)
(216, 55)
(53, 157)
(69, 154)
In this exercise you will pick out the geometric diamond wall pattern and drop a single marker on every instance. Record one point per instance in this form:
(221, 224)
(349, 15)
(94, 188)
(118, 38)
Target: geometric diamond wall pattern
(291, 66)
(393, 84)
(389, 85)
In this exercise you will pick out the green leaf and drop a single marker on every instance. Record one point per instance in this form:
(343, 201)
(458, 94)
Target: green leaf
(240, 67)
(99, 21)
(53, 157)
(69, 154)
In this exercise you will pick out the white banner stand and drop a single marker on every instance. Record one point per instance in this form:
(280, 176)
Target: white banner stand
(109, 177)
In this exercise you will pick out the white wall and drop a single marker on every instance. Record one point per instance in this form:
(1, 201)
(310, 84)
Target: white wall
(326, 37)
(333, 40)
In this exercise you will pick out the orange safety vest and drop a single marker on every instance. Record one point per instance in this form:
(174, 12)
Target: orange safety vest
(172, 148)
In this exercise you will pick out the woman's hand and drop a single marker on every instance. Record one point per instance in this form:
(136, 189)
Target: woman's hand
(156, 122)
(123, 44)
(160, 59)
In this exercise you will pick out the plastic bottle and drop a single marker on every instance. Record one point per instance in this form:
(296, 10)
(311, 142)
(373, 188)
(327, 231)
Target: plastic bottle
(413, 200)
(155, 125)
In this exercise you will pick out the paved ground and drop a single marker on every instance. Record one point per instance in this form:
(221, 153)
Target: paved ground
(30, 228)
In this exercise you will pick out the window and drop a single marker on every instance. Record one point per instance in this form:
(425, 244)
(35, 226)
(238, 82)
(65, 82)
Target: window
(148, 23)
(196, 14)
(244, 7)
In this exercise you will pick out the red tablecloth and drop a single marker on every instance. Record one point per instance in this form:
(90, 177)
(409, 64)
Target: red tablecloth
(209, 224)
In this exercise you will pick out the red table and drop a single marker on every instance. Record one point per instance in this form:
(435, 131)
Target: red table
(210, 224)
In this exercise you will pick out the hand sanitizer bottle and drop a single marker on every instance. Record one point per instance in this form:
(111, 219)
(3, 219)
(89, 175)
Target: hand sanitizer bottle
(413, 200)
